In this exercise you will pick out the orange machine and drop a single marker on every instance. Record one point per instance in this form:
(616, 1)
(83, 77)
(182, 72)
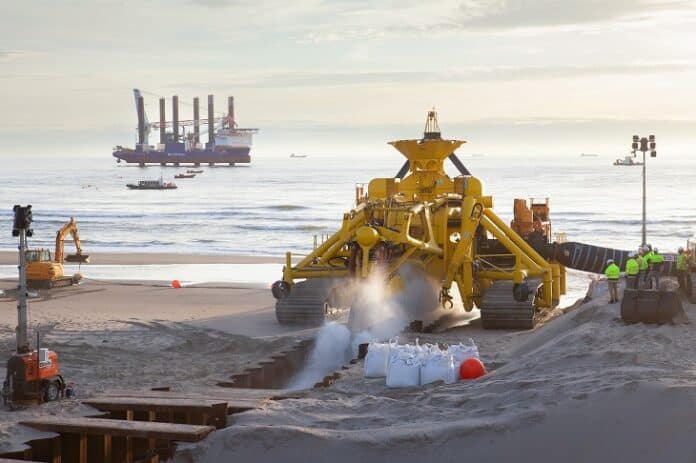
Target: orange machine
(532, 219)
(32, 374)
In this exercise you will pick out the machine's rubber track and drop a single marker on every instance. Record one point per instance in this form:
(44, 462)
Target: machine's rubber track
(691, 291)
(500, 310)
(49, 284)
(309, 303)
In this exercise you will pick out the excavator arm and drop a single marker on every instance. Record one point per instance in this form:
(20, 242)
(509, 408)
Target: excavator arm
(69, 228)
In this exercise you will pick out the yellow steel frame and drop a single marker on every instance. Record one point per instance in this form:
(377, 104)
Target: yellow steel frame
(415, 214)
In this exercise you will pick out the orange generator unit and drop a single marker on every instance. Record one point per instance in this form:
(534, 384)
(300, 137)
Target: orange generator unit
(33, 375)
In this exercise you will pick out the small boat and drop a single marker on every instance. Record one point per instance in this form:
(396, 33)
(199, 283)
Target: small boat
(193, 171)
(588, 155)
(627, 161)
(184, 175)
(293, 155)
(152, 185)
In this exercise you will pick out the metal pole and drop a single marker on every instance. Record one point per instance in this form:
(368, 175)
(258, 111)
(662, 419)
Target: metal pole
(211, 122)
(196, 122)
(163, 122)
(22, 336)
(645, 240)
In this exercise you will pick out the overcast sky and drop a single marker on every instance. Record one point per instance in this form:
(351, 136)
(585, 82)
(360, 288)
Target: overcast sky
(71, 65)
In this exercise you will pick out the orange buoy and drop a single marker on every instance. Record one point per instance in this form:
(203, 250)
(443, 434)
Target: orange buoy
(176, 284)
(471, 368)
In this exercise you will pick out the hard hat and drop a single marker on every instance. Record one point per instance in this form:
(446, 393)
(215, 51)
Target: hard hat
(610, 261)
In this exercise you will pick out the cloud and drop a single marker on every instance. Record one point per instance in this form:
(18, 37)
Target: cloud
(9, 54)
(475, 15)
(452, 76)
(219, 3)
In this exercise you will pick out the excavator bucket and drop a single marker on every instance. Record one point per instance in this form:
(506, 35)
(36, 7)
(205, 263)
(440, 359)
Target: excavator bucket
(77, 258)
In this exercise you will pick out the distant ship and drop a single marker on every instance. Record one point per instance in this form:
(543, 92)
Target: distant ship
(588, 155)
(227, 144)
(184, 175)
(293, 155)
(152, 185)
(627, 161)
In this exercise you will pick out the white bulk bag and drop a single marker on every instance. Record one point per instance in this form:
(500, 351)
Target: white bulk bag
(403, 370)
(377, 359)
(461, 351)
(438, 366)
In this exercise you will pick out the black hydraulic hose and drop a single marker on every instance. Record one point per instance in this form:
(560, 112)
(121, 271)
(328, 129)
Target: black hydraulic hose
(588, 258)
(403, 171)
(453, 157)
(459, 164)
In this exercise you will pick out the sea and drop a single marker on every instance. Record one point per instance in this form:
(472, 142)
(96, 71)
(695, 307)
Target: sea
(280, 204)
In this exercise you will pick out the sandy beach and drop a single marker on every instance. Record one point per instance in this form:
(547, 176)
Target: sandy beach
(142, 335)
(159, 258)
(584, 387)
(581, 386)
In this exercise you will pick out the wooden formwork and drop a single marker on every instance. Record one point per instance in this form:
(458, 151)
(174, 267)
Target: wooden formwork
(169, 410)
(145, 425)
(272, 373)
(108, 440)
(11, 460)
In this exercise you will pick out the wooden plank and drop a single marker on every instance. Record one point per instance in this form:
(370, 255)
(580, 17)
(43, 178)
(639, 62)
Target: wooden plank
(83, 448)
(57, 451)
(129, 450)
(122, 428)
(233, 406)
(155, 404)
(152, 443)
(10, 460)
(227, 394)
(108, 449)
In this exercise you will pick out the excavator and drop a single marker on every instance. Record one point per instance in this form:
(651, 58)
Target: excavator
(445, 227)
(45, 272)
(32, 375)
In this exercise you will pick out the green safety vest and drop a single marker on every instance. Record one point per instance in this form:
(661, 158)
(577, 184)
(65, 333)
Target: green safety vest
(649, 257)
(632, 267)
(643, 261)
(613, 272)
(657, 259)
(681, 261)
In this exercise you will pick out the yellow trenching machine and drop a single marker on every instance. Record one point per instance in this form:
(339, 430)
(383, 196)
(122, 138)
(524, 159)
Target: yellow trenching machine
(445, 226)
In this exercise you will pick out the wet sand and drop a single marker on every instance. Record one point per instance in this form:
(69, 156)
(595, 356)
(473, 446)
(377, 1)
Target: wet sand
(154, 258)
